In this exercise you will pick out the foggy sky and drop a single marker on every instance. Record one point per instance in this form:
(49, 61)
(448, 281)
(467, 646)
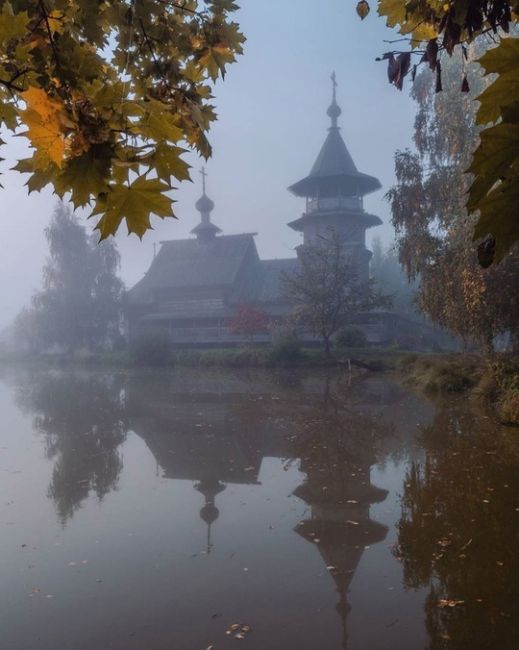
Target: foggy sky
(272, 123)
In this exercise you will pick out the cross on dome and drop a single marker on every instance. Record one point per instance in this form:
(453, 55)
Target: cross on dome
(334, 110)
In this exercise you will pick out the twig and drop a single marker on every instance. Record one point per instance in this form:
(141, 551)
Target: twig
(51, 40)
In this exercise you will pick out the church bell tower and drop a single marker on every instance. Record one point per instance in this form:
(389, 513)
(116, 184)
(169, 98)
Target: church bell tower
(334, 191)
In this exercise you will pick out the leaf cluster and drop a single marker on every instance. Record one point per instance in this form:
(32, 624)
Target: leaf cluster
(110, 94)
(494, 193)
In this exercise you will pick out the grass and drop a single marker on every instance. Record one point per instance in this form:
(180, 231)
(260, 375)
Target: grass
(495, 382)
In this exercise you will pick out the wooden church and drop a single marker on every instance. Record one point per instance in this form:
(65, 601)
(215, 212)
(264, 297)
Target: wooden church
(194, 287)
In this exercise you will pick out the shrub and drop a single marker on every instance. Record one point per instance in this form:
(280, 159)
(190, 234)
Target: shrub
(286, 349)
(152, 349)
(351, 337)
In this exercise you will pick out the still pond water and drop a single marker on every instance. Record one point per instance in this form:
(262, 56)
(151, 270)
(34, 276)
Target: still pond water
(153, 511)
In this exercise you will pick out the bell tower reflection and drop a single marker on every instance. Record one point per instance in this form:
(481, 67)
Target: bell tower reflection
(336, 457)
(209, 513)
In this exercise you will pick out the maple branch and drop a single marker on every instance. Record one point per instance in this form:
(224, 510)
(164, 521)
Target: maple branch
(148, 42)
(176, 5)
(51, 40)
(11, 86)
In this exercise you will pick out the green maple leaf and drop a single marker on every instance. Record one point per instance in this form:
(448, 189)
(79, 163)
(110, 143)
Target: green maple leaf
(84, 176)
(134, 203)
(13, 26)
(495, 164)
(167, 162)
(499, 217)
(160, 125)
(493, 160)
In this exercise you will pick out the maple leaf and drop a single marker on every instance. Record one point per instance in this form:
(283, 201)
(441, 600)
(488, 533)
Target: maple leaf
(44, 117)
(167, 162)
(84, 176)
(134, 203)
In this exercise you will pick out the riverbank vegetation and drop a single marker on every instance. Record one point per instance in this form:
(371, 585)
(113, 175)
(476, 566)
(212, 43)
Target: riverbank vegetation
(493, 381)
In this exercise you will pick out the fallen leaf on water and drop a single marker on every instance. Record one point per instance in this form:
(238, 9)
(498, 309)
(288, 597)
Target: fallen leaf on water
(446, 602)
(238, 630)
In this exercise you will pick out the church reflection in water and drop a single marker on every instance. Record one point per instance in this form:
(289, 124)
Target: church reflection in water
(220, 439)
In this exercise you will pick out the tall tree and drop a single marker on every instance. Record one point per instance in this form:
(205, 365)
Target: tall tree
(434, 232)
(79, 305)
(109, 91)
(325, 289)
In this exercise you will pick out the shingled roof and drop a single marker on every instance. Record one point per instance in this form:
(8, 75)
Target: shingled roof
(334, 165)
(187, 264)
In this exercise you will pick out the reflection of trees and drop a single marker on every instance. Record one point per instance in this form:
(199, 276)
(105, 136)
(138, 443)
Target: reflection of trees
(457, 532)
(83, 420)
(337, 445)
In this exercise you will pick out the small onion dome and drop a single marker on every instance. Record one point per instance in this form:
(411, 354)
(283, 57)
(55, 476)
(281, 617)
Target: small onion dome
(209, 513)
(334, 111)
(204, 204)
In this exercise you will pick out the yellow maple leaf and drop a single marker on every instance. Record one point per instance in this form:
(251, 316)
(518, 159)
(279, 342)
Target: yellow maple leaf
(45, 118)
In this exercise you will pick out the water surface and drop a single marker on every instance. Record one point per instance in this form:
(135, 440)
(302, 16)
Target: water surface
(154, 510)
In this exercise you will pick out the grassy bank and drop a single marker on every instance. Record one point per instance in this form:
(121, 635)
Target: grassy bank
(495, 382)
(263, 357)
(369, 358)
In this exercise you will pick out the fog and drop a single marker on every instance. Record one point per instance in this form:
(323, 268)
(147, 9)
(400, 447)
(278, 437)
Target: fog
(272, 122)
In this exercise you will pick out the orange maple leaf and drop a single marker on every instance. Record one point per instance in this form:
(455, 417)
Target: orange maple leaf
(46, 119)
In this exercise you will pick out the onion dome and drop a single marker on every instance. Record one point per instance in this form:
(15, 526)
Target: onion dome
(205, 231)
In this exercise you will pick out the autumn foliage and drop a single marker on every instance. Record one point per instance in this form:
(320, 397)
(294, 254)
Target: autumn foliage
(435, 29)
(249, 321)
(110, 94)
